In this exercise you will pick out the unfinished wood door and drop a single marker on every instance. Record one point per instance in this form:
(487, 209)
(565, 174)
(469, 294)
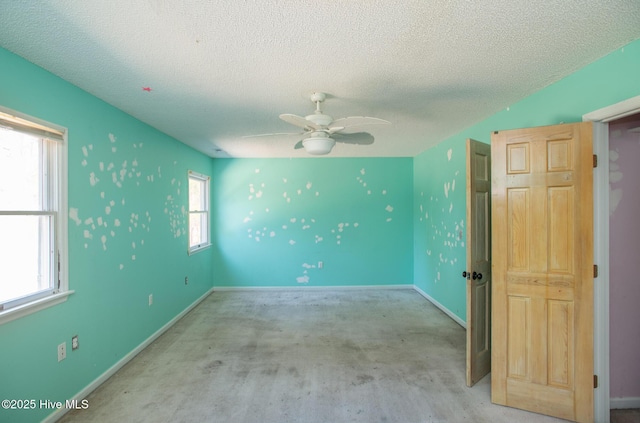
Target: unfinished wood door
(478, 261)
(542, 255)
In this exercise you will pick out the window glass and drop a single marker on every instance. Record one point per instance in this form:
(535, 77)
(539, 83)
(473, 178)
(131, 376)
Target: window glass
(198, 211)
(30, 190)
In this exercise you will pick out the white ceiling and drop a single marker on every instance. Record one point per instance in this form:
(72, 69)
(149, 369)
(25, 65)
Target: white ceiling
(223, 69)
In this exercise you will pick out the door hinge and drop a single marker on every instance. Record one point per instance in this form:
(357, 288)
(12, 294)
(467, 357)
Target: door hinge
(595, 270)
(595, 381)
(595, 160)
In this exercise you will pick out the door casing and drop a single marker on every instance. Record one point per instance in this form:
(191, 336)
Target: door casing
(601, 119)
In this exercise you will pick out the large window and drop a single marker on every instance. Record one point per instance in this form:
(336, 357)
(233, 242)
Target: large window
(199, 237)
(32, 212)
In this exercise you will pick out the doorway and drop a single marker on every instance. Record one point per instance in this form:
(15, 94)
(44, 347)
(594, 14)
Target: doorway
(624, 244)
(601, 119)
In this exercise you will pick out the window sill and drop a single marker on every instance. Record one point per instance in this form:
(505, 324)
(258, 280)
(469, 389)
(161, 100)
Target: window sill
(32, 307)
(198, 249)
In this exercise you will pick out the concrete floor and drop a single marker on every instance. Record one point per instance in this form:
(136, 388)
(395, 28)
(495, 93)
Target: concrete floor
(302, 356)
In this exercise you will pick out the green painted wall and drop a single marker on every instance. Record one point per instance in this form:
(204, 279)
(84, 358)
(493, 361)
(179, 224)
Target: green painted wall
(439, 224)
(614, 78)
(127, 239)
(276, 219)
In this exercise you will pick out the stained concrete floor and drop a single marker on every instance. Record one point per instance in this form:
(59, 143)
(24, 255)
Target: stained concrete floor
(302, 356)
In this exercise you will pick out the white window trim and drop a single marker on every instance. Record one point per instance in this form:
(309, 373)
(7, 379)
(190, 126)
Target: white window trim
(61, 292)
(197, 248)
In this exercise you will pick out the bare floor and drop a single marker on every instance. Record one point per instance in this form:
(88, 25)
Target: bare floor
(302, 356)
(625, 416)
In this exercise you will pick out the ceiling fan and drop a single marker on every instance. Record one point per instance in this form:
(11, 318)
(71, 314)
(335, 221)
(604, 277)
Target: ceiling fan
(321, 131)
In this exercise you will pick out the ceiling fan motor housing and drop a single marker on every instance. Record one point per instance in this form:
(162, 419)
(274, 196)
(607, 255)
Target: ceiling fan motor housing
(319, 119)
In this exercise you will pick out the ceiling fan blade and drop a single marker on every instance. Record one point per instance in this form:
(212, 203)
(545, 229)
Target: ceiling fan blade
(358, 138)
(298, 121)
(275, 134)
(298, 145)
(355, 121)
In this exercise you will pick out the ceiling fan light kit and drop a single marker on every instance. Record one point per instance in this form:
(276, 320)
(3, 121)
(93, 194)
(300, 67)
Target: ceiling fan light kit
(318, 144)
(318, 128)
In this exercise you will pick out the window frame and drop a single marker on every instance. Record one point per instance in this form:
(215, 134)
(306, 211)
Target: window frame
(54, 186)
(206, 181)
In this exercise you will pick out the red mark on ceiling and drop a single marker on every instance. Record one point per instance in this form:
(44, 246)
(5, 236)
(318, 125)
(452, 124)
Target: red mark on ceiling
(147, 89)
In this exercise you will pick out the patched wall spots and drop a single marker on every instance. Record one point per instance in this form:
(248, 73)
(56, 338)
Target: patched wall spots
(292, 203)
(73, 215)
(93, 179)
(128, 174)
(438, 218)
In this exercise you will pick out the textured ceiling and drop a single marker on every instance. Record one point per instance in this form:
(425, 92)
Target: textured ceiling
(220, 70)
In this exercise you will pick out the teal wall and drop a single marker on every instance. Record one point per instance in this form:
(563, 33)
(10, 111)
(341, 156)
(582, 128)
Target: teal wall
(614, 78)
(127, 239)
(277, 218)
(440, 224)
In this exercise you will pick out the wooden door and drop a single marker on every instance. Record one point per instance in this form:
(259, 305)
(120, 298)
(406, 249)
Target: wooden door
(542, 255)
(478, 261)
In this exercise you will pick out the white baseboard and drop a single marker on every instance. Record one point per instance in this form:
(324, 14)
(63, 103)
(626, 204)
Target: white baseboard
(624, 402)
(308, 288)
(441, 307)
(55, 416)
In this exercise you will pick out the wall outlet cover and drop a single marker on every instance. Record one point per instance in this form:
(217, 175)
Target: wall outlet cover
(62, 351)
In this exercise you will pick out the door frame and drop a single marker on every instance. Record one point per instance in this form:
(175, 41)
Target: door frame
(601, 119)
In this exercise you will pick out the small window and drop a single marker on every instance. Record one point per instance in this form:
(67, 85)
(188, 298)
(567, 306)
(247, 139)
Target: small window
(32, 212)
(198, 212)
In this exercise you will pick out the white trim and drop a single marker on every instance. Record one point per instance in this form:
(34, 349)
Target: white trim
(206, 182)
(601, 283)
(615, 111)
(308, 288)
(56, 415)
(624, 403)
(441, 307)
(33, 306)
(57, 191)
(601, 117)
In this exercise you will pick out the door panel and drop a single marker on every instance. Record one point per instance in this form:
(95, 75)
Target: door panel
(542, 253)
(478, 261)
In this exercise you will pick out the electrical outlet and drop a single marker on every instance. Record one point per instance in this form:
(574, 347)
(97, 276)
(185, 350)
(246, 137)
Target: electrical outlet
(320, 264)
(150, 299)
(74, 343)
(186, 280)
(62, 351)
